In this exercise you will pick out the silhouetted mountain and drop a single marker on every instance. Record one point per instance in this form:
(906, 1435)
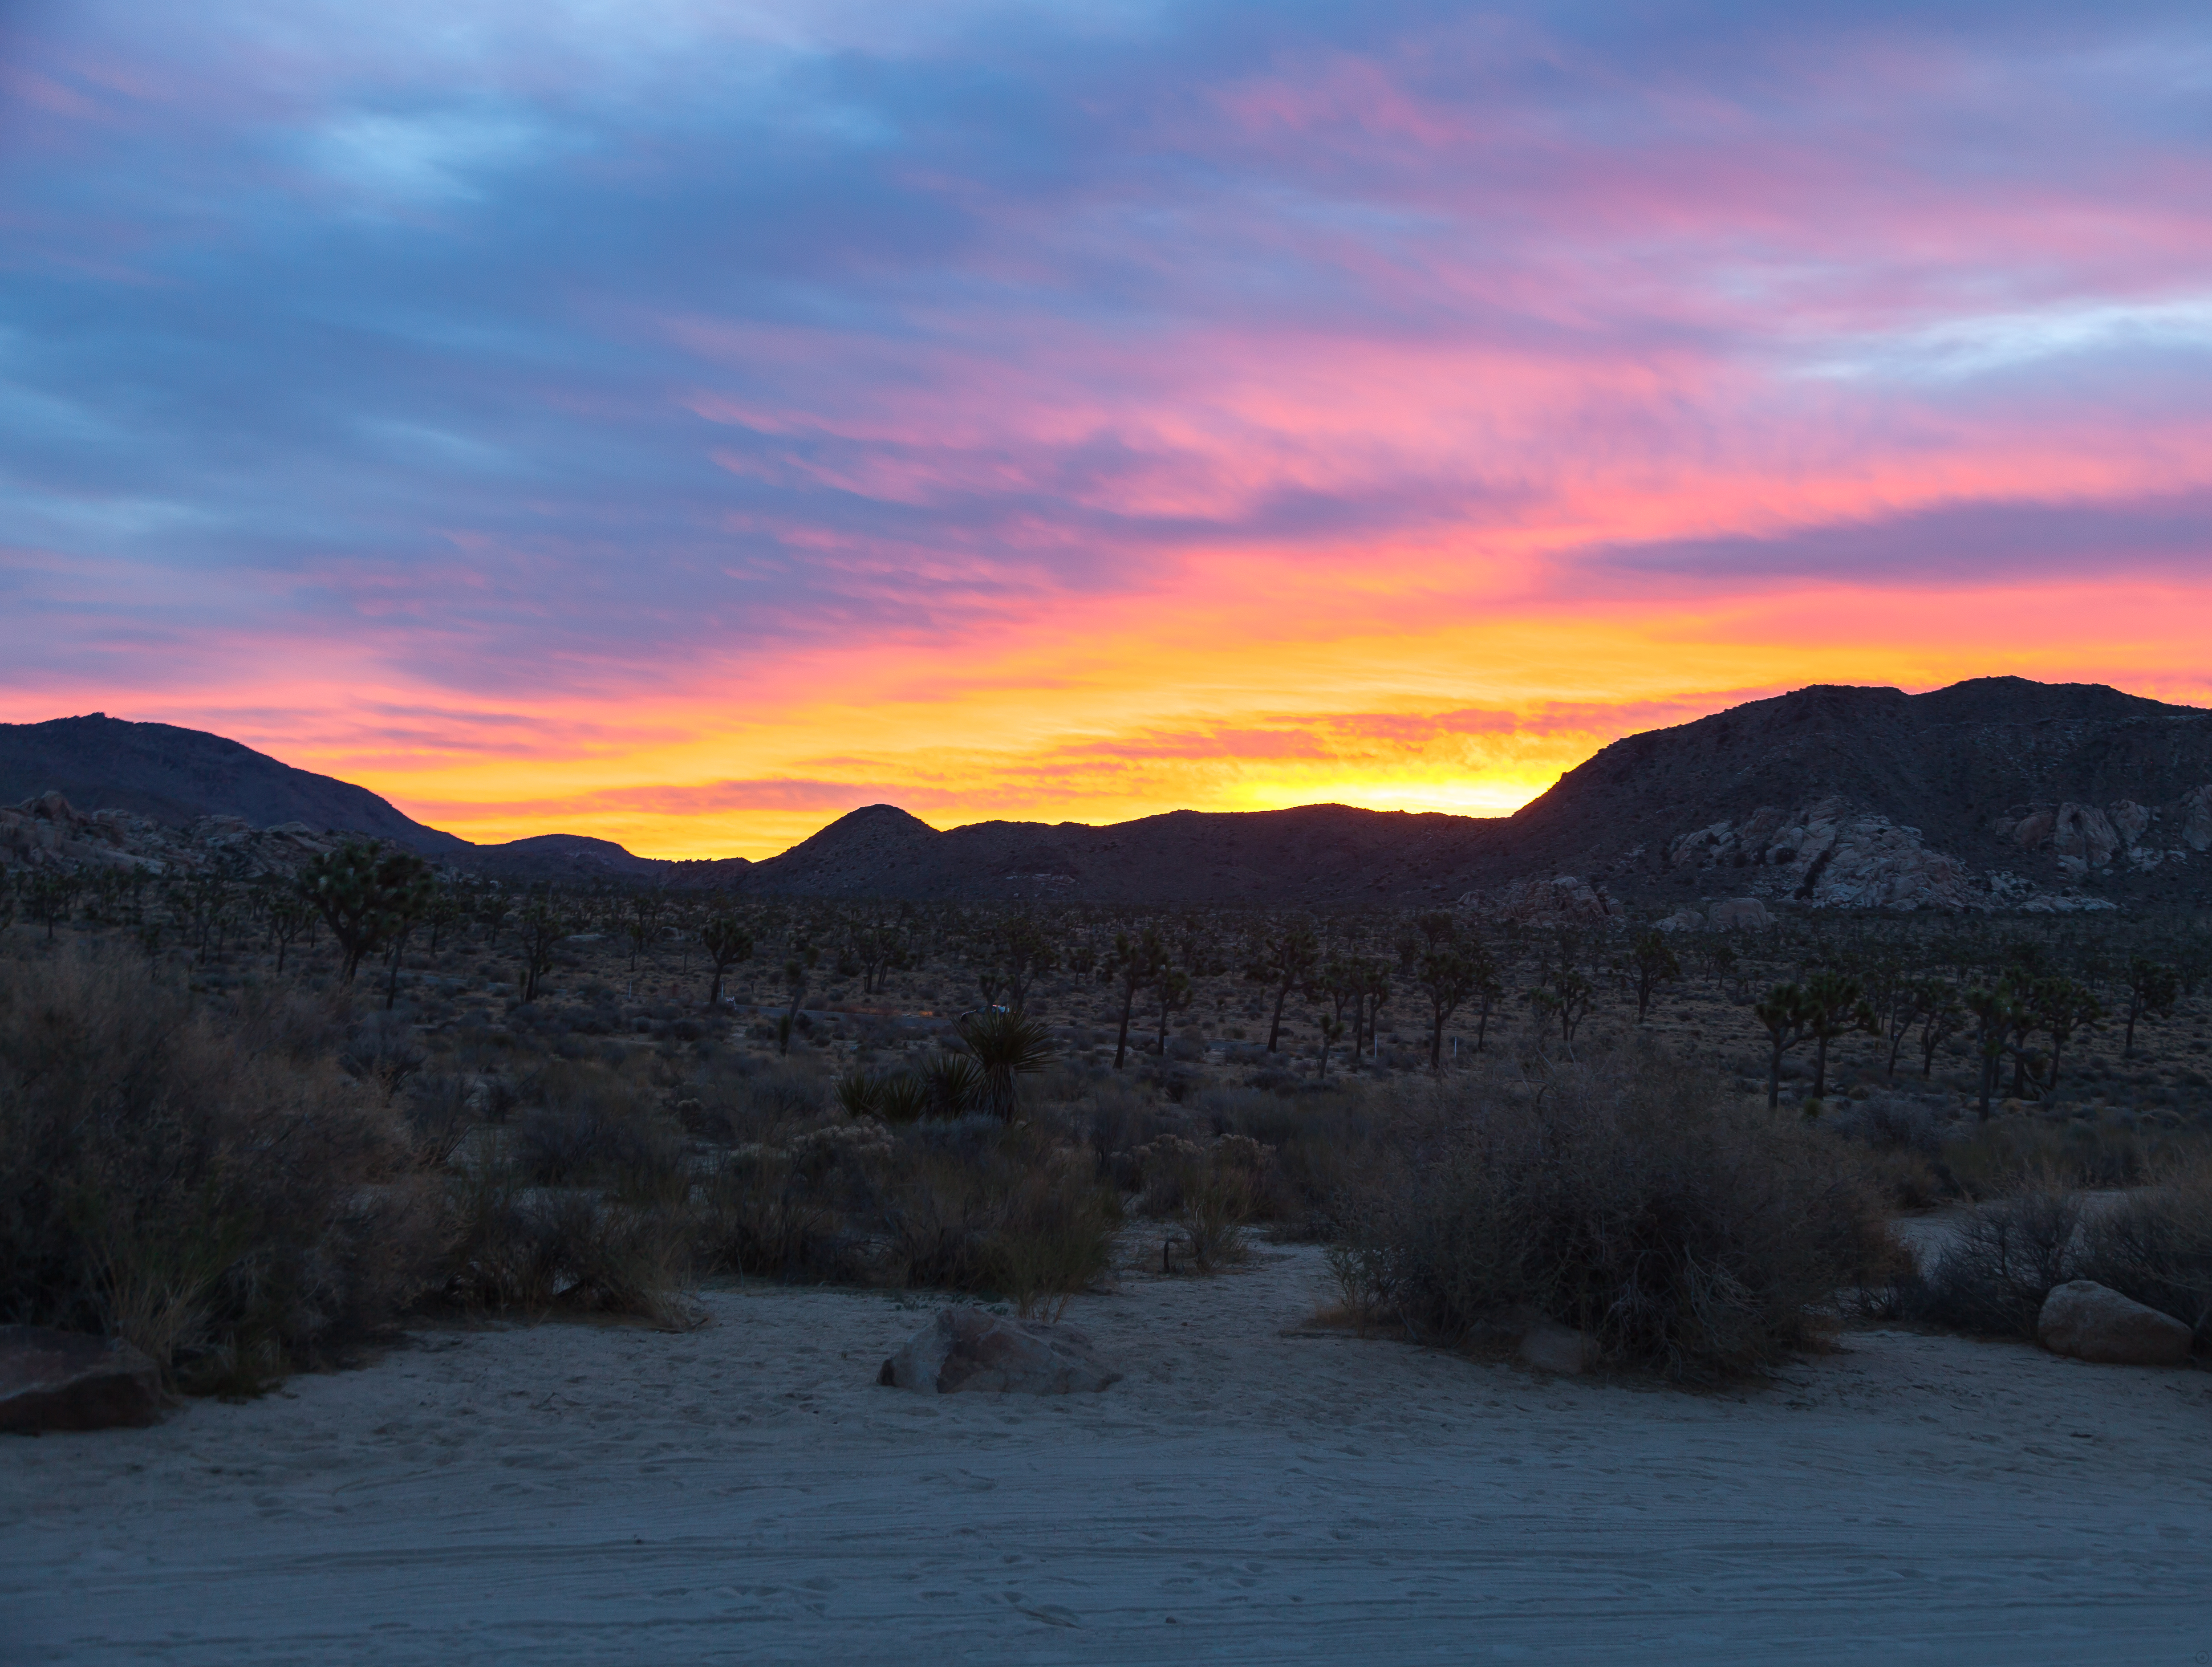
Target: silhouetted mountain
(173, 775)
(1314, 853)
(1998, 791)
(578, 860)
(1994, 791)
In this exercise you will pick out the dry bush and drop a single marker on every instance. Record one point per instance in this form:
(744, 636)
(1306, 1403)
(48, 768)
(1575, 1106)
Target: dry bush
(198, 1183)
(974, 1205)
(2154, 1245)
(2008, 1154)
(2007, 1257)
(1681, 1228)
(1051, 1235)
(542, 1251)
(598, 1126)
(744, 1099)
(1211, 1190)
(758, 1213)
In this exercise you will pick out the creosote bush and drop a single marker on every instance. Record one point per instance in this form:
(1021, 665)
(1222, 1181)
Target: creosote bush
(1686, 1230)
(208, 1186)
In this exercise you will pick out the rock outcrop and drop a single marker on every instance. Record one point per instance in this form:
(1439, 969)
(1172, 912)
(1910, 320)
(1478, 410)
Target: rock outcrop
(66, 1380)
(48, 832)
(1831, 855)
(968, 1348)
(2092, 1322)
(1565, 900)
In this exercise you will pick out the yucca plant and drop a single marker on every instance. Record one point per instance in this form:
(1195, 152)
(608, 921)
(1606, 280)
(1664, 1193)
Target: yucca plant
(1005, 1046)
(951, 1083)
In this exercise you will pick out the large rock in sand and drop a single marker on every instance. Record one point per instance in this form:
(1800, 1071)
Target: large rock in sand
(66, 1380)
(2092, 1322)
(966, 1348)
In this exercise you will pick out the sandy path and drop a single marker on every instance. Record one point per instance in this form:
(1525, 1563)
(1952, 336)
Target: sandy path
(745, 1492)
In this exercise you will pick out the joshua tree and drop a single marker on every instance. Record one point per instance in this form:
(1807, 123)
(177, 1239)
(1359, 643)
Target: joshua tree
(541, 926)
(1331, 1027)
(1787, 1017)
(1566, 995)
(1450, 975)
(1835, 1006)
(1283, 960)
(1941, 1017)
(1174, 991)
(794, 983)
(49, 896)
(1996, 1012)
(1136, 963)
(1022, 950)
(1655, 963)
(365, 898)
(726, 943)
(641, 920)
(2152, 990)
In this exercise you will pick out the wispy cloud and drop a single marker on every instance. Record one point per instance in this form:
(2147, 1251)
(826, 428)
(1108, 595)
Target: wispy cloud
(554, 411)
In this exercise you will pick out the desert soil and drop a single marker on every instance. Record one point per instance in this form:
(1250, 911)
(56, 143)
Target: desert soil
(1251, 1492)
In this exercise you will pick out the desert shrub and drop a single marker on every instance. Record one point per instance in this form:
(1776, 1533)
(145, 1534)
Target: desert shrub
(1211, 1190)
(952, 1082)
(2156, 1246)
(2116, 1149)
(971, 1204)
(1320, 1141)
(746, 1099)
(1051, 1235)
(544, 1249)
(1682, 1229)
(755, 1214)
(440, 1111)
(2003, 1260)
(889, 1096)
(382, 1050)
(221, 1203)
(596, 1125)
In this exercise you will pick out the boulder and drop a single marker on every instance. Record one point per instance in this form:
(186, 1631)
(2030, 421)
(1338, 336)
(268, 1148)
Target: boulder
(1738, 914)
(966, 1348)
(2196, 819)
(67, 1380)
(2085, 834)
(2091, 1322)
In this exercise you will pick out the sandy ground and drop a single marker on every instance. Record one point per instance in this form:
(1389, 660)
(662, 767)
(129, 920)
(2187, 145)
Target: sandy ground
(745, 1492)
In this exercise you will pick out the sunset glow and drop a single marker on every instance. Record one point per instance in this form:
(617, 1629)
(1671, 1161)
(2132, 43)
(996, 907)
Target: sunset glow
(684, 423)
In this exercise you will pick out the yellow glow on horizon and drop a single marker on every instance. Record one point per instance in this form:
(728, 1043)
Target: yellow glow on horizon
(1101, 716)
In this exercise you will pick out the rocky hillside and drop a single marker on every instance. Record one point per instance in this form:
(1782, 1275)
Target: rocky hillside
(1993, 792)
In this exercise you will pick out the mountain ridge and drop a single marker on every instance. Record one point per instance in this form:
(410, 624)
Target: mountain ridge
(1994, 792)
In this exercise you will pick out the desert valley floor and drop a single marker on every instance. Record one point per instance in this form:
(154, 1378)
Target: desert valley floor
(1257, 1488)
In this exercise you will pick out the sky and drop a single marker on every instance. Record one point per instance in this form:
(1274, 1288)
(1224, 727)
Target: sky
(686, 423)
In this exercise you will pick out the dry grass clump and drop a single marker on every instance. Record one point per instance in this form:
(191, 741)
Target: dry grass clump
(209, 1187)
(1682, 1229)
